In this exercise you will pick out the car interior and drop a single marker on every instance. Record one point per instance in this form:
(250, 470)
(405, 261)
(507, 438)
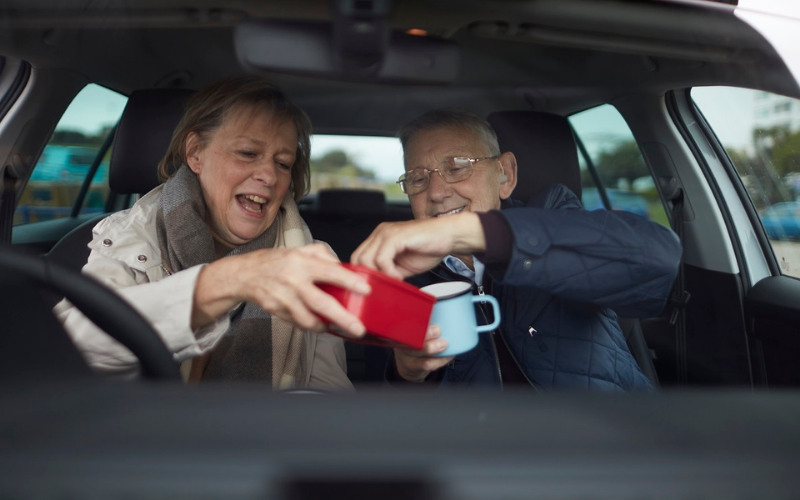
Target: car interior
(364, 68)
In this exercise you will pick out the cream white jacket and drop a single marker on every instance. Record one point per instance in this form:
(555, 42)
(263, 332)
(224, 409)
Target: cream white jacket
(126, 257)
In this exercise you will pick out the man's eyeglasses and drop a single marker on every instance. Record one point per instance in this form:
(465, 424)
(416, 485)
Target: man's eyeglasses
(454, 169)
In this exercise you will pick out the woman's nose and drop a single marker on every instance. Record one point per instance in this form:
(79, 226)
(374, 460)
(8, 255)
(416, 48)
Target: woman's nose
(265, 172)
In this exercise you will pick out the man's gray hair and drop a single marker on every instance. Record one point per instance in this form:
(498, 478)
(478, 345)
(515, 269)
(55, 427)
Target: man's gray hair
(451, 118)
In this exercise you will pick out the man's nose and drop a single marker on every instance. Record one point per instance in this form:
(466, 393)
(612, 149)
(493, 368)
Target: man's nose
(438, 189)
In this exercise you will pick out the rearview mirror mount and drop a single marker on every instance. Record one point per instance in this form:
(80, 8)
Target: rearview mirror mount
(311, 49)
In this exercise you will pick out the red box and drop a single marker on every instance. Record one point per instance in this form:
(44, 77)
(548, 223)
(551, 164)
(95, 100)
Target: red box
(395, 314)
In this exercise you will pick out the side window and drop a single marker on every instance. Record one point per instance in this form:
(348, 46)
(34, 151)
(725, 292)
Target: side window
(761, 134)
(53, 187)
(610, 150)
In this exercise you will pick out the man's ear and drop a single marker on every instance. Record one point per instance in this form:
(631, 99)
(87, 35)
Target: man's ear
(508, 162)
(194, 147)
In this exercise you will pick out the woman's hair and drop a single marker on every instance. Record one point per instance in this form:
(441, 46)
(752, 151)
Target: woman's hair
(451, 118)
(208, 109)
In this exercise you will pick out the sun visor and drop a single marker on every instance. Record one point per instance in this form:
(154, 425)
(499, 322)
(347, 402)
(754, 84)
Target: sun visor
(311, 49)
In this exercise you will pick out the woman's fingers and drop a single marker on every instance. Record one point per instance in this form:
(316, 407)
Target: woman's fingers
(322, 304)
(284, 282)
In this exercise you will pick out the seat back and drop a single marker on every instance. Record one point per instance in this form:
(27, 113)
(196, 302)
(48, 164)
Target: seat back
(546, 151)
(142, 138)
(344, 218)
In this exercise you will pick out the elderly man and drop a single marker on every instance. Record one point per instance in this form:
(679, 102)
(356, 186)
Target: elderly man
(559, 272)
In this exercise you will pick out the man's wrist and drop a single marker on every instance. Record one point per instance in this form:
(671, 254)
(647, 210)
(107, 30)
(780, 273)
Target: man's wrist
(469, 237)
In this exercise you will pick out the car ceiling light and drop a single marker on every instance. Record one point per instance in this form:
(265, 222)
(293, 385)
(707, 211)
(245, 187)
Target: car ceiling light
(416, 32)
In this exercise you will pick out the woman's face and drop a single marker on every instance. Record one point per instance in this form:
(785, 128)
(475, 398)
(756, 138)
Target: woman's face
(245, 170)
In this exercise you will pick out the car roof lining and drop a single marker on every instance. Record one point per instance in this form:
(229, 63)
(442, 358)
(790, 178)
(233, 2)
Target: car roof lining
(515, 60)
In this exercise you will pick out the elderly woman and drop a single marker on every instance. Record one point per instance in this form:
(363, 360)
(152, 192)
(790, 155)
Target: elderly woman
(229, 270)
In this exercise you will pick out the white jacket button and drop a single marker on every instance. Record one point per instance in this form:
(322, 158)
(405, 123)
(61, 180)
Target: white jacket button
(107, 243)
(141, 258)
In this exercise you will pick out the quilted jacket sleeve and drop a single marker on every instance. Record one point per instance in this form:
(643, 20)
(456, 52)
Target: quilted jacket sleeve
(607, 258)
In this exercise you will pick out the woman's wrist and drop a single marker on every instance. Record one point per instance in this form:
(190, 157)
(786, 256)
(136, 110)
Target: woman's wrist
(214, 294)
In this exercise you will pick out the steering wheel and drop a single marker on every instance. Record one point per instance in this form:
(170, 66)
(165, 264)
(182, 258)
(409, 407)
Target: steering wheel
(102, 306)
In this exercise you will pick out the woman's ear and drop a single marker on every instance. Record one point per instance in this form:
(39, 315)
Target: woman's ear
(194, 147)
(508, 176)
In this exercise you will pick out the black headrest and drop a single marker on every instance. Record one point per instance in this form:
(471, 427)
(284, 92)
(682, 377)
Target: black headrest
(350, 203)
(142, 138)
(545, 149)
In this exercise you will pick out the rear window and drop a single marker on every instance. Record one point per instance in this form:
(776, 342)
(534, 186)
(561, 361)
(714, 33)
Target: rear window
(357, 162)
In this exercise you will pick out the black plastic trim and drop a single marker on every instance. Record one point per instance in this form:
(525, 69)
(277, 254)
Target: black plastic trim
(16, 88)
(87, 182)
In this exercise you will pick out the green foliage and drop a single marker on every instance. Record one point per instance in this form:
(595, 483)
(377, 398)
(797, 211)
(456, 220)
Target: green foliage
(337, 162)
(66, 137)
(623, 162)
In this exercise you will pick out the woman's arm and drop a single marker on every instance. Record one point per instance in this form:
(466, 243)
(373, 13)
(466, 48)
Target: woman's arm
(282, 281)
(166, 304)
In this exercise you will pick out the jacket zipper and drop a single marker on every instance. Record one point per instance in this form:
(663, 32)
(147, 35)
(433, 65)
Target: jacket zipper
(458, 277)
(494, 345)
(508, 347)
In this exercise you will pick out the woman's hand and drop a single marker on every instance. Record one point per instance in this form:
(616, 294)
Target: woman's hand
(282, 281)
(415, 366)
(403, 249)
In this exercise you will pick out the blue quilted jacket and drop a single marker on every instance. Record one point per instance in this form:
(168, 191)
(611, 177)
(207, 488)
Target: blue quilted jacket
(570, 273)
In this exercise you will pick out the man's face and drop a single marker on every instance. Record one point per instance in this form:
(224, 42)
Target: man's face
(480, 192)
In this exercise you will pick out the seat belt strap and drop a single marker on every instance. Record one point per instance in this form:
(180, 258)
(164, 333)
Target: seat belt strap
(680, 297)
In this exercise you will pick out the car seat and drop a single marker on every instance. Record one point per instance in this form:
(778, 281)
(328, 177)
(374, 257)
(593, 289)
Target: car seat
(142, 137)
(546, 151)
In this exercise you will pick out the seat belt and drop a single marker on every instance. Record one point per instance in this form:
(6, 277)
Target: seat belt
(7, 205)
(680, 297)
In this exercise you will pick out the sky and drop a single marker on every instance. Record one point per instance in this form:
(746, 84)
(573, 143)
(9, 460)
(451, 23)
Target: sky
(730, 112)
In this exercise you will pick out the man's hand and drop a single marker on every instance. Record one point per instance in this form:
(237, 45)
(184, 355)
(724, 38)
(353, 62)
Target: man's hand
(403, 249)
(414, 366)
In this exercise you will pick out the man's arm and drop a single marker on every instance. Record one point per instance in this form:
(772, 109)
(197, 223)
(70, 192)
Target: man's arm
(607, 258)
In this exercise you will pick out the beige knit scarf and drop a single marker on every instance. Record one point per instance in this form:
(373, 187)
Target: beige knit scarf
(257, 346)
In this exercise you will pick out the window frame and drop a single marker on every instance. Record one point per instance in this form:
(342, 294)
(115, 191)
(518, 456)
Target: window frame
(684, 112)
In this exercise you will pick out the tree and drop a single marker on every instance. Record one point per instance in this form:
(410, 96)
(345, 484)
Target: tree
(786, 154)
(623, 162)
(338, 162)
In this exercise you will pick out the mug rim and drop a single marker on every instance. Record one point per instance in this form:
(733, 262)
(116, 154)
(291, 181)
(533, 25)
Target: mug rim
(450, 295)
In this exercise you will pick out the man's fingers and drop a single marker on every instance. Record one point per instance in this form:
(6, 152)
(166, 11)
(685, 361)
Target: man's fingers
(431, 347)
(433, 332)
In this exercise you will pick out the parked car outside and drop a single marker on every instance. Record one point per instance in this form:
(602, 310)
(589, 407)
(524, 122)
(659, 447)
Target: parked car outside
(782, 220)
(620, 200)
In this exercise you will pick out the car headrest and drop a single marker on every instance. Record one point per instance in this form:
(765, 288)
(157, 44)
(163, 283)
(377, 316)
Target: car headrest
(142, 138)
(545, 149)
(350, 203)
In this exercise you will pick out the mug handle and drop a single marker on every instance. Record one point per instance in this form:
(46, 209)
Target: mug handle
(495, 307)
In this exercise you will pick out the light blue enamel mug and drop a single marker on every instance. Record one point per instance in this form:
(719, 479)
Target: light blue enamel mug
(454, 313)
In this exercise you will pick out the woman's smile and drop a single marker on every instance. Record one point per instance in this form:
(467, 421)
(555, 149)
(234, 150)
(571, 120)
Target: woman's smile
(252, 204)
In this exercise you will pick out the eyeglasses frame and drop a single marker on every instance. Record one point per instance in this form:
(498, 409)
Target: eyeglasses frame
(472, 162)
